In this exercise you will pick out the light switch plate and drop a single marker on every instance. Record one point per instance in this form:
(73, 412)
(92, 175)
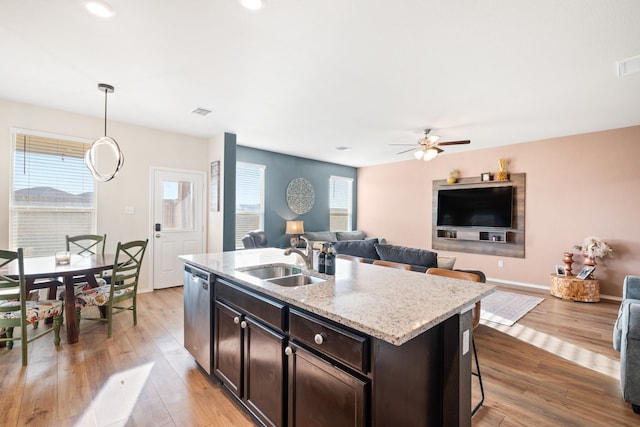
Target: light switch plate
(129, 210)
(465, 342)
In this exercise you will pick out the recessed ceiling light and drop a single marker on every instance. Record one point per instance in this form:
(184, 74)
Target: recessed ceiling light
(201, 111)
(252, 4)
(99, 8)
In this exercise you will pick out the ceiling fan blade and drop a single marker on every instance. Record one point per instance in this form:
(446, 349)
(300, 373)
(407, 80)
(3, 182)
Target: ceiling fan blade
(439, 150)
(406, 151)
(466, 141)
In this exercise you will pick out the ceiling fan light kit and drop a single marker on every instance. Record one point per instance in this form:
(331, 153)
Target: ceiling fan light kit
(429, 147)
(90, 156)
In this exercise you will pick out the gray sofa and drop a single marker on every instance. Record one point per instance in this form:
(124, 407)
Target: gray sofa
(420, 260)
(626, 340)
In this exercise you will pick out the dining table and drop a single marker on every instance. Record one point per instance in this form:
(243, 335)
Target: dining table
(79, 268)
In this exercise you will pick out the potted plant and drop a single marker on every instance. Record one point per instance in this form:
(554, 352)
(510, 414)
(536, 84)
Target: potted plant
(594, 247)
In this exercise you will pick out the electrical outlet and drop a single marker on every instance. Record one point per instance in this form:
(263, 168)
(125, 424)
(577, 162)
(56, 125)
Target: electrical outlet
(500, 263)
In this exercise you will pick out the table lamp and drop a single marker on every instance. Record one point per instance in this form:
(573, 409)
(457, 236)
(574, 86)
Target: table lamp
(295, 228)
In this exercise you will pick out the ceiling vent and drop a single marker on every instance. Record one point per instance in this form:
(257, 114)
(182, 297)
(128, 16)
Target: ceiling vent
(628, 66)
(201, 111)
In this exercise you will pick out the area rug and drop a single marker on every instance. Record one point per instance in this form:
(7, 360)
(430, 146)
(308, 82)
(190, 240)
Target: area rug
(506, 308)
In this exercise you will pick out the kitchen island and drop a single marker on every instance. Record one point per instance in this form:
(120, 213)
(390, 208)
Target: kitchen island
(368, 346)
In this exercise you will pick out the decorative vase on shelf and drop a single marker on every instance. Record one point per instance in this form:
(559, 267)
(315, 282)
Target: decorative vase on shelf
(568, 260)
(588, 260)
(502, 174)
(453, 176)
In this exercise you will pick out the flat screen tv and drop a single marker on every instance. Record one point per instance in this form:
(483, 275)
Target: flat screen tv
(476, 207)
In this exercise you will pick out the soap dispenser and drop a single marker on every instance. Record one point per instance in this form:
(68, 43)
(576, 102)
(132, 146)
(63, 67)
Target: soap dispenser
(322, 259)
(330, 261)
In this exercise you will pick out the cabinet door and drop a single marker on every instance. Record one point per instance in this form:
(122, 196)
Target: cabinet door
(264, 373)
(321, 394)
(228, 349)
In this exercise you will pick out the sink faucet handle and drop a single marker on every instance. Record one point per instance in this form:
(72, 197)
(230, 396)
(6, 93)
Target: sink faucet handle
(308, 246)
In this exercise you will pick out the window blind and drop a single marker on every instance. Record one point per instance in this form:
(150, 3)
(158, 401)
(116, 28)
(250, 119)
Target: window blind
(340, 203)
(52, 194)
(249, 199)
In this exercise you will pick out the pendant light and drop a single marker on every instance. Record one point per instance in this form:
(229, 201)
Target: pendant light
(90, 155)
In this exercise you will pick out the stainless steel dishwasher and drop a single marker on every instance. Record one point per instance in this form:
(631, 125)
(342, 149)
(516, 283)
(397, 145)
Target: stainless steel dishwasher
(197, 315)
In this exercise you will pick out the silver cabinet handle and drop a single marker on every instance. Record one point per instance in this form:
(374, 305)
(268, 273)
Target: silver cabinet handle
(243, 324)
(236, 320)
(288, 351)
(318, 338)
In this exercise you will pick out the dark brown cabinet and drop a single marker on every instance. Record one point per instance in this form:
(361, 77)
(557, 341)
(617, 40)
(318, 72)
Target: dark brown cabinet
(321, 394)
(228, 348)
(249, 356)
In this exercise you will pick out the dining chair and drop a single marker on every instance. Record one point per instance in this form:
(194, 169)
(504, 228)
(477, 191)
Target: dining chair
(17, 312)
(121, 293)
(475, 314)
(392, 264)
(85, 245)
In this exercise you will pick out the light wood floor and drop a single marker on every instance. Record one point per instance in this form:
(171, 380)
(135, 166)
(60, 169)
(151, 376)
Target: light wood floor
(555, 367)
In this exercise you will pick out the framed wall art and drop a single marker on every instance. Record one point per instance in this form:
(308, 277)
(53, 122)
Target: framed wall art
(214, 185)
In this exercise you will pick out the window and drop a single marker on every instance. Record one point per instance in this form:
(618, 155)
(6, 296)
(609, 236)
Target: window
(249, 199)
(52, 195)
(340, 203)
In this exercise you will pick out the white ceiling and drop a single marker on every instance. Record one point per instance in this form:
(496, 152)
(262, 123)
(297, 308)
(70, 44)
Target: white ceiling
(302, 77)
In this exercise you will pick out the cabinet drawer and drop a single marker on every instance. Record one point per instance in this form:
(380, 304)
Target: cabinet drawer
(342, 345)
(268, 311)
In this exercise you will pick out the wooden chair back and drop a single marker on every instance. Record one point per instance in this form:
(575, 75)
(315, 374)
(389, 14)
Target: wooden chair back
(392, 264)
(86, 244)
(462, 275)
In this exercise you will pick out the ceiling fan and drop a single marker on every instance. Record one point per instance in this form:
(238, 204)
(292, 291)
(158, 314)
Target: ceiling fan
(428, 147)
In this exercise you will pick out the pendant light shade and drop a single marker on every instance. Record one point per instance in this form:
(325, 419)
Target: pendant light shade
(90, 156)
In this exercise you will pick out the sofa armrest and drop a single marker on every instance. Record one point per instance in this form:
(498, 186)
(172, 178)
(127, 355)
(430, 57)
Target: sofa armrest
(628, 324)
(631, 287)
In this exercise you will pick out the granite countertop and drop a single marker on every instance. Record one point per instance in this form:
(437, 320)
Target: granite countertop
(387, 303)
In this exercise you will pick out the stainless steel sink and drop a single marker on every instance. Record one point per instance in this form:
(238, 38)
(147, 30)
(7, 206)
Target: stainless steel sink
(296, 280)
(272, 271)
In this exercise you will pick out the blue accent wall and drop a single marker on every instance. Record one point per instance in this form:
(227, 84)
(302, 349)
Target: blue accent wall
(282, 168)
(229, 194)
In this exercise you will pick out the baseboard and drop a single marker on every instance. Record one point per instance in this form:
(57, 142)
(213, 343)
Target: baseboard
(543, 288)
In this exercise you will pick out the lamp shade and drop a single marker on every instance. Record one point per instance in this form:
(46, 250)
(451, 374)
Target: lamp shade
(295, 227)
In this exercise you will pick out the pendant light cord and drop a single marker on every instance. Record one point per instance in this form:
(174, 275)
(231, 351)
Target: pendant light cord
(105, 111)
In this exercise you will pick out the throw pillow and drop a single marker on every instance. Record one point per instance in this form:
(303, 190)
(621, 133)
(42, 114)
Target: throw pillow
(405, 255)
(446, 262)
(359, 248)
(351, 235)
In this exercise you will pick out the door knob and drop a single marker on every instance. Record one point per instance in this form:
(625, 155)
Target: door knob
(243, 324)
(318, 338)
(236, 320)
(288, 351)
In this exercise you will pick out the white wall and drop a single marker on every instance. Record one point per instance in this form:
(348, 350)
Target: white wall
(142, 148)
(576, 186)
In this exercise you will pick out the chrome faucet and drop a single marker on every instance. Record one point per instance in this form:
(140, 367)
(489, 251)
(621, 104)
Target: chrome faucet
(307, 255)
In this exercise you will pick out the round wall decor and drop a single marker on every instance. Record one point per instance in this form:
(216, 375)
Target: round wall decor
(300, 195)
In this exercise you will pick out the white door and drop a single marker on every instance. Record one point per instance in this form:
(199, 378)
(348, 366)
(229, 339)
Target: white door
(177, 221)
